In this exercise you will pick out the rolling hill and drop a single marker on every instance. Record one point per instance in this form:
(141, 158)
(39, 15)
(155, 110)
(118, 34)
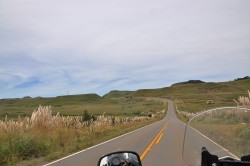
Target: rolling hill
(190, 96)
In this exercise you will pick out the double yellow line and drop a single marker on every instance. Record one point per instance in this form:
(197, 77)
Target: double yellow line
(156, 140)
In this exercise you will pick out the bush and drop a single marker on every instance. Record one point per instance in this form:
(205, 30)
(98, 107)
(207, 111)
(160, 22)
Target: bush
(5, 154)
(138, 113)
(28, 146)
(21, 148)
(86, 116)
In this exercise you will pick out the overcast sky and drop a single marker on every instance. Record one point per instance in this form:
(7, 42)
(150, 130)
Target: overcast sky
(49, 47)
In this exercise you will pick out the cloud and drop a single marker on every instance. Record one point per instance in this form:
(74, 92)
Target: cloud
(50, 47)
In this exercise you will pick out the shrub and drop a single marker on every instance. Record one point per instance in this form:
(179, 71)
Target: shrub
(5, 154)
(27, 146)
(86, 116)
(22, 147)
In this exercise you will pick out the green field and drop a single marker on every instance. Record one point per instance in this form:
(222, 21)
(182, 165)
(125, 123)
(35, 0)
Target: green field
(46, 137)
(232, 124)
(74, 105)
(187, 97)
(193, 97)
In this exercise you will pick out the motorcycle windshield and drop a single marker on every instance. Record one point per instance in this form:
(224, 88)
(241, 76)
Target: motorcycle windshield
(223, 131)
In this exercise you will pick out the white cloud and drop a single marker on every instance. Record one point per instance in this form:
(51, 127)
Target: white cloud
(96, 46)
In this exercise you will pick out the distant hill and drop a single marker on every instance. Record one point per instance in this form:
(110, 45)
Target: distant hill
(116, 94)
(243, 78)
(193, 95)
(56, 101)
(189, 82)
(189, 96)
(191, 87)
(83, 97)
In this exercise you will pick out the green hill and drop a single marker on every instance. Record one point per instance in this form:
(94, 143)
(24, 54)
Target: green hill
(190, 96)
(189, 82)
(70, 99)
(76, 104)
(116, 94)
(193, 97)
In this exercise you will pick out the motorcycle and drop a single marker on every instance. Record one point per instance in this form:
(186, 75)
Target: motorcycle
(216, 137)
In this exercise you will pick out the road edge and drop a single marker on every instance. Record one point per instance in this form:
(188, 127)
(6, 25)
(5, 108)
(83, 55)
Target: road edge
(99, 144)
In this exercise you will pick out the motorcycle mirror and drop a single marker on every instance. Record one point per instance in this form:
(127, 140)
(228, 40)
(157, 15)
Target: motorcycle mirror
(121, 158)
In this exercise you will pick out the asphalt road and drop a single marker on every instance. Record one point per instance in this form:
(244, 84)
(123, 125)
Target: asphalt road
(158, 144)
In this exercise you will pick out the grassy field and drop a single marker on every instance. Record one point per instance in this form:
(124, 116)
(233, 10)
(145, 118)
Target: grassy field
(222, 94)
(193, 97)
(44, 137)
(76, 104)
(187, 97)
(236, 139)
(230, 128)
(34, 139)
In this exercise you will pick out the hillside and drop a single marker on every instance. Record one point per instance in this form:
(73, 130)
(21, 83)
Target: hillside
(116, 94)
(189, 82)
(74, 105)
(188, 96)
(193, 97)
(59, 100)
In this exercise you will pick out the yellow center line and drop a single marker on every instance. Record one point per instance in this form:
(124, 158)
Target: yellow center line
(158, 137)
(166, 126)
(158, 140)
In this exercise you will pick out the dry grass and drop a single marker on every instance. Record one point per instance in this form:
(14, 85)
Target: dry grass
(42, 118)
(230, 128)
(44, 133)
(235, 138)
(244, 101)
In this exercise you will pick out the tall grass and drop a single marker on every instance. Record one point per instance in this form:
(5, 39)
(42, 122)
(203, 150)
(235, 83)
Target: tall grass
(244, 101)
(44, 133)
(229, 127)
(235, 137)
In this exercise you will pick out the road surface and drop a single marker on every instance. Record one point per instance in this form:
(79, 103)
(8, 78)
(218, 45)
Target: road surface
(157, 144)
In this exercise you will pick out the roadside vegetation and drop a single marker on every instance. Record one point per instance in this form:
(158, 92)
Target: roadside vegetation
(230, 128)
(85, 120)
(244, 101)
(74, 105)
(50, 136)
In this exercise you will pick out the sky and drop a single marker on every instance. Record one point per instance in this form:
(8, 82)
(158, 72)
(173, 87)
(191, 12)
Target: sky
(58, 47)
